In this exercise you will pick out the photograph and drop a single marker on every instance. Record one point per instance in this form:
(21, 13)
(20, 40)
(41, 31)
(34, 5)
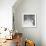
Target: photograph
(29, 20)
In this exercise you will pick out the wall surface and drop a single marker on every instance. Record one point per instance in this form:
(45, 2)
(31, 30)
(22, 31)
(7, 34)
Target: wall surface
(6, 13)
(28, 6)
(43, 22)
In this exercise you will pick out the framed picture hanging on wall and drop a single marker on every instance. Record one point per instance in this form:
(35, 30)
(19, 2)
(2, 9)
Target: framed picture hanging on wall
(29, 20)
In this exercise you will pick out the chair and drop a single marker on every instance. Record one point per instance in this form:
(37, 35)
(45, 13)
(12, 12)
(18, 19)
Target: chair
(18, 39)
(29, 43)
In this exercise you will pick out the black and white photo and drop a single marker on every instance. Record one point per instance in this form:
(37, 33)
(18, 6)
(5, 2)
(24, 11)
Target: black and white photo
(29, 20)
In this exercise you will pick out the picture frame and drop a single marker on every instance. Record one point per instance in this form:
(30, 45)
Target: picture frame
(29, 20)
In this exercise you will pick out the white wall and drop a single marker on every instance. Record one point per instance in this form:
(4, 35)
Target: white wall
(43, 22)
(28, 6)
(6, 13)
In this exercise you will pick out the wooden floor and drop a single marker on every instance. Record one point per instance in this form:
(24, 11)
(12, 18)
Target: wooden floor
(9, 43)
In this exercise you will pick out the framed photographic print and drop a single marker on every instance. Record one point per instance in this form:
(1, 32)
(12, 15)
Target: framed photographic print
(29, 20)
